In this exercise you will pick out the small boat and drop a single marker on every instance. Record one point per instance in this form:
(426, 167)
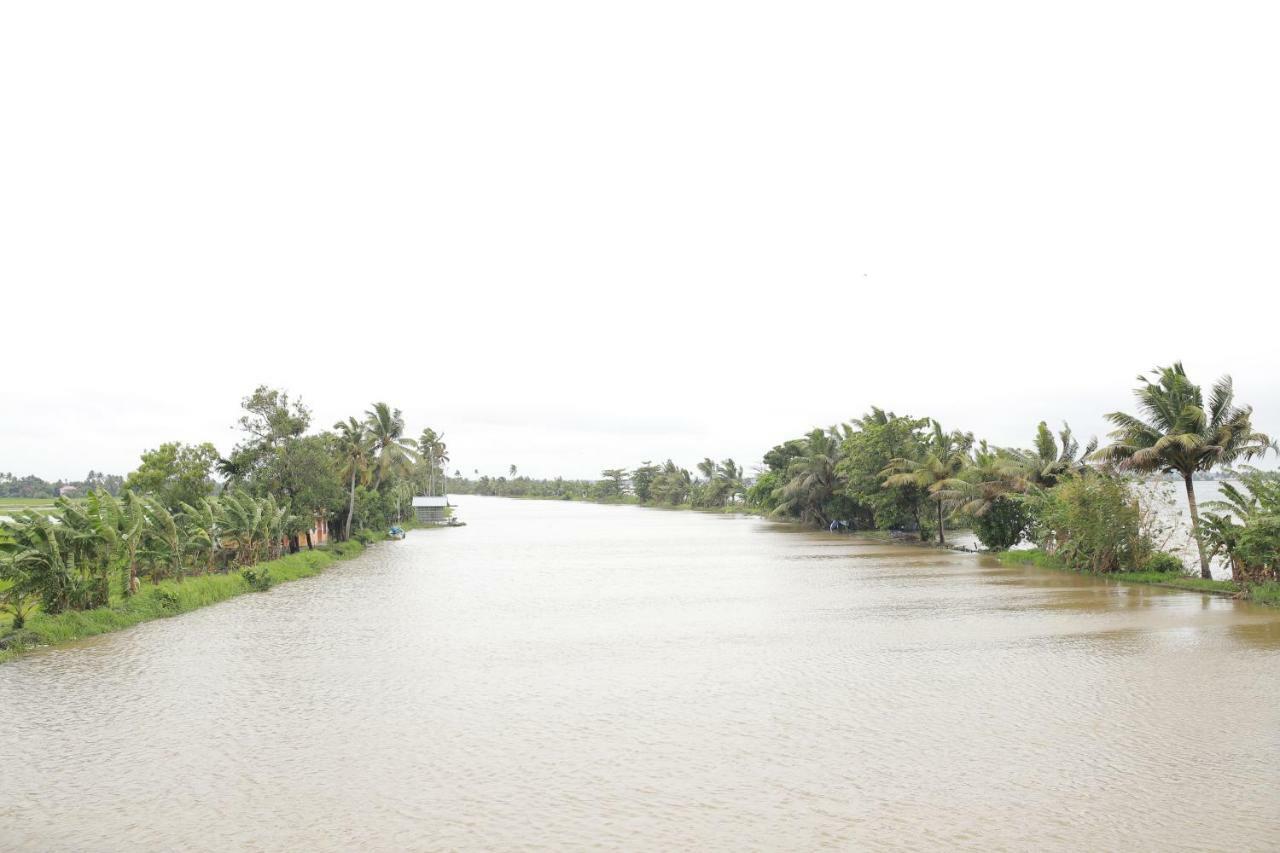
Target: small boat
(396, 533)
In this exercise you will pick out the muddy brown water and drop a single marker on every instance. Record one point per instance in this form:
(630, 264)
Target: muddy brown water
(563, 676)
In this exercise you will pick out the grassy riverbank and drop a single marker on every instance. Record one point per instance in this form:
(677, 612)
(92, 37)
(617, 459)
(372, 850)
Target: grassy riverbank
(167, 598)
(1260, 593)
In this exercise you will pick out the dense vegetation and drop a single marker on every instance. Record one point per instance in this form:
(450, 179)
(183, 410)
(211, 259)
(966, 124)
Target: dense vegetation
(172, 519)
(716, 485)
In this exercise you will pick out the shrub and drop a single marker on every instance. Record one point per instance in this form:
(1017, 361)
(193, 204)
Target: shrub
(165, 597)
(1004, 524)
(1165, 563)
(1094, 522)
(257, 580)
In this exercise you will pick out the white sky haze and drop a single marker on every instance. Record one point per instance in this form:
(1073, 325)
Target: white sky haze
(574, 236)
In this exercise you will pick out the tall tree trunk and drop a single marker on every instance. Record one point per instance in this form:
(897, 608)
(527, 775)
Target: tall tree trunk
(942, 538)
(1195, 529)
(351, 503)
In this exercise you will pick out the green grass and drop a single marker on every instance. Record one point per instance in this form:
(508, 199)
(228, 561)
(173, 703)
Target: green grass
(1268, 593)
(167, 598)
(15, 504)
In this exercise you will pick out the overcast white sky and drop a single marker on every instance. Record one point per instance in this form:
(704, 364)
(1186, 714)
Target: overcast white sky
(577, 235)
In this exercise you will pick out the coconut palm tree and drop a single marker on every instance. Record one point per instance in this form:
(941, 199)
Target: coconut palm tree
(431, 446)
(1051, 460)
(937, 470)
(391, 450)
(732, 475)
(1177, 434)
(991, 474)
(357, 453)
(811, 479)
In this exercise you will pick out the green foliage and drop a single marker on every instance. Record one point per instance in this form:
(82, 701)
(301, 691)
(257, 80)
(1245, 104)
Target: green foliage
(1163, 562)
(258, 580)
(811, 481)
(672, 485)
(642, 481)
(1004, 524)
(761, 492)
(1245, 528)
(166, 598)
(1094, 522)
(880, 438)
(936, 470)
(175, 473)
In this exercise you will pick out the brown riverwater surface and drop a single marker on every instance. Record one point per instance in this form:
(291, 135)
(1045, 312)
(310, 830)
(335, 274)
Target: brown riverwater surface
(561, 676)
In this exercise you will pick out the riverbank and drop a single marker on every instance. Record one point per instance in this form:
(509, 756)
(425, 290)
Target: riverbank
(170, 598)
(1268, 594)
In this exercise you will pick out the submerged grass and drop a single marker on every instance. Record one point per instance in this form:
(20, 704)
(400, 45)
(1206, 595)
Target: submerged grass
(167, 598)
(1268, 593)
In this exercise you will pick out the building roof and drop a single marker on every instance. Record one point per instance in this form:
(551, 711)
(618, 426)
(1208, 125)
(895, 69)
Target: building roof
(431, 500)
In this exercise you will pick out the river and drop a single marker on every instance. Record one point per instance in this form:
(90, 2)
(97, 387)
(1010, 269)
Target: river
(565, 676)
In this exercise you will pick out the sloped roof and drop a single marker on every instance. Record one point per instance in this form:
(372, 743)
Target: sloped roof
(431, 500)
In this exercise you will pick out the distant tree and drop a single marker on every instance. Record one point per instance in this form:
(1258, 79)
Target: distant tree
(614, 483)
(642, 481)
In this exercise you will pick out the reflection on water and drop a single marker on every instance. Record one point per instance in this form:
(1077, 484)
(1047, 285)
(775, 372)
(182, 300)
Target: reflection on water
(560, 676)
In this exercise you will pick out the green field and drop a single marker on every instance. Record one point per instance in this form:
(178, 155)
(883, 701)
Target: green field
(16, 504)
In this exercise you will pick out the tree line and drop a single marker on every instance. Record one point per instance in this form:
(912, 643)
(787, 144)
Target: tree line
(187, 509)
(898, 472)
(1084, 503)
(715, 484)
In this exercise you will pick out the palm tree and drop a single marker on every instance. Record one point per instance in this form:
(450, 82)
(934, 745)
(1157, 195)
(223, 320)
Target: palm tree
(356, 451)
(937, 471)
(391, 449)
(513, 470)
(811, 479)
(1180, 436)
(732, 476)
(431, 446)
(1051, 460)
(991, 474)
